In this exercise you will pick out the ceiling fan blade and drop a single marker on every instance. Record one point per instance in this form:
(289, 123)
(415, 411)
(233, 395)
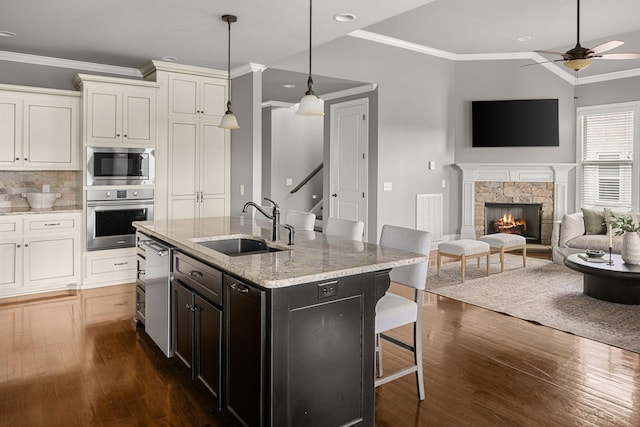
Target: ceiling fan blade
(607, 46)
(553, 52)
(620, 56)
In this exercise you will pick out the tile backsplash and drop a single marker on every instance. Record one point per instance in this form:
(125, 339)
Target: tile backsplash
(14, 183)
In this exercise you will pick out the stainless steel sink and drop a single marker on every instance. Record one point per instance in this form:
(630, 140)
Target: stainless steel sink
(239, 246)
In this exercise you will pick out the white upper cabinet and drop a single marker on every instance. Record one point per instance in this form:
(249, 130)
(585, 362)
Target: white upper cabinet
(39, 130)
(118, 111)
(196, 96)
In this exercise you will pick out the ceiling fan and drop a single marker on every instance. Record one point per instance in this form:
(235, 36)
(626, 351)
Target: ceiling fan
(579, 58)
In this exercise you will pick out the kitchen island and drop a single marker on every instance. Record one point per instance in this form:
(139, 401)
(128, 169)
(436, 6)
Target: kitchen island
(292, 333)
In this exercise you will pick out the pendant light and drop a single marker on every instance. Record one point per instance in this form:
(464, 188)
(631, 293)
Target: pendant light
(229, 120)
(310, 104)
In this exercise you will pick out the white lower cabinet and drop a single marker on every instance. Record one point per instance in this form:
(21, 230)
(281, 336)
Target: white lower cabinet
(39, 252)
(109, 267)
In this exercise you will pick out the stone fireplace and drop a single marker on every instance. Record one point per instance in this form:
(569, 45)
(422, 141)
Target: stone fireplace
(529, 183)
(524, 208)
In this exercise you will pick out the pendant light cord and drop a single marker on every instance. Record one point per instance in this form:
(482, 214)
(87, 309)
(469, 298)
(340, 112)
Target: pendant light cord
(578, 26)
(229, 66)
(310, 80)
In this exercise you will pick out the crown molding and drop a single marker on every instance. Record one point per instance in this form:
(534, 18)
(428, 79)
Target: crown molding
(403, 44)
(614, 75)
(277, 104)
(558, 71)
(70, 64)
(349, 92)
(251, 67)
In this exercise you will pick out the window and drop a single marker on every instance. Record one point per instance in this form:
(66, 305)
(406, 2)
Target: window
(607, 145)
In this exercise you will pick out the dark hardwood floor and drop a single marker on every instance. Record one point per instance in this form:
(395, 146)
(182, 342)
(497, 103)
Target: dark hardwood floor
(70, 359)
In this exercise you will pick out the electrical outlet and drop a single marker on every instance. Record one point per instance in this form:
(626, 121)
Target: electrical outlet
(444, 183)
(326, 290)
(289, 182)
(46, 188)
(242, 189)
(387, 186)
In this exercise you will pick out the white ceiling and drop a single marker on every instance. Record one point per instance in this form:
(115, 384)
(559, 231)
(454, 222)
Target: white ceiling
(130, 33)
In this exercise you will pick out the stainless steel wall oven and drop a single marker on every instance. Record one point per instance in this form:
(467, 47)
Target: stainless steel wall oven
(110, 214)
(120, 166)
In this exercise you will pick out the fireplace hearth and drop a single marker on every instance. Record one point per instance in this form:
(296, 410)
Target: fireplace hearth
(524, 219)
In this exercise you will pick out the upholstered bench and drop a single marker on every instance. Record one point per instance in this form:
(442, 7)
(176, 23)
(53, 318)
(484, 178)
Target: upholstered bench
(504, 242)
(463, 249)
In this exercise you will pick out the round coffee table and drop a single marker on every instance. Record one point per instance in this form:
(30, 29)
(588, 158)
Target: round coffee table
(619, 282)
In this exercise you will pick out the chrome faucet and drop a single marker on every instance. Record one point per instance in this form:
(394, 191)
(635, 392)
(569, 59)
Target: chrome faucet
(274, 217)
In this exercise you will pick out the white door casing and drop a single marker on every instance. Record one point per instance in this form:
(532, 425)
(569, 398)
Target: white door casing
(348, 173)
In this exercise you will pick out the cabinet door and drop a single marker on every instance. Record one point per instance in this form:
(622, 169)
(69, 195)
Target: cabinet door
(182, 323)
(139, 116)
(10, 131)
(10, 264)
(51, 133)
(214, 166)
(245, 351)
(183, 96)
(208, 346)
(51, 260)
(213, 98)
(103, 119)
(183, 168)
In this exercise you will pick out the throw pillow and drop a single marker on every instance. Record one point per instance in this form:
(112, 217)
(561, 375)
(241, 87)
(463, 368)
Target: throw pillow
(594, 221)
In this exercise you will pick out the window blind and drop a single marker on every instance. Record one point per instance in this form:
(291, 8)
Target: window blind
(607, 158)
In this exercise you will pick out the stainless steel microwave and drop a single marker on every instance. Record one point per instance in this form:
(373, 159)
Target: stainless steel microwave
(120, 166)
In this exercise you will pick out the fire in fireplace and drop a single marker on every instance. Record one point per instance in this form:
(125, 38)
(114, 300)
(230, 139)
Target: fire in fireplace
(524, 219)
(511, 225)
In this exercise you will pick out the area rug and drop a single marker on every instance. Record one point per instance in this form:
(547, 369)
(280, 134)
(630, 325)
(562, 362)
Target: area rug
(543, 292)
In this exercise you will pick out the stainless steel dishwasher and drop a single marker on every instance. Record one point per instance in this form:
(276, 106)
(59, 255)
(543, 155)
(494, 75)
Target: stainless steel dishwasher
(157, 293)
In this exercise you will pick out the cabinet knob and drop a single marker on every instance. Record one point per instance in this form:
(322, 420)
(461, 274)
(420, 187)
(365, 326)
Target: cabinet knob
(26, 245)
(125, 135)
(334, 195)
(17, 246)
(26, 159)
(17, 158)
(118, 135)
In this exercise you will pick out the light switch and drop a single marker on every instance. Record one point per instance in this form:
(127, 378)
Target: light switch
(289, 182)
(432, 165)
(387, 186)
(46, 188)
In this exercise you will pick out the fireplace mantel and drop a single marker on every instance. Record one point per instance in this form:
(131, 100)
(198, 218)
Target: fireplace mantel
(558, 173)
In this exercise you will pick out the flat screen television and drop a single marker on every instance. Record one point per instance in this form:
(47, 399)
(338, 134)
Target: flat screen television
(515, 123)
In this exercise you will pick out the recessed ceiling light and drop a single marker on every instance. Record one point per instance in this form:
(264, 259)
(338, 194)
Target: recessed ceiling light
(524, 39)
(7, 34)
(345, 17)
(169, 58)
(289, 86)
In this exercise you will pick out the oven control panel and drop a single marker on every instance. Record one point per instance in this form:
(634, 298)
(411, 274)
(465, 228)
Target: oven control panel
(103, 195)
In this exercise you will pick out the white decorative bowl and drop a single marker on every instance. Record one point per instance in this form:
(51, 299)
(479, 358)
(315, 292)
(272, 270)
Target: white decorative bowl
(41, 200)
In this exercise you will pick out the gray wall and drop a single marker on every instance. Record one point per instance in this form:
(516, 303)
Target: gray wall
(413, 121)
(246, 146)
(495, 80)
(610, 92)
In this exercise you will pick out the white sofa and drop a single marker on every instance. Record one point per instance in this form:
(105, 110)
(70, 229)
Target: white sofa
(568, 238)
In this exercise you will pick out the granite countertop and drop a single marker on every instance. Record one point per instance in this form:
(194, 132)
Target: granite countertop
(314, 257)
(22, 210)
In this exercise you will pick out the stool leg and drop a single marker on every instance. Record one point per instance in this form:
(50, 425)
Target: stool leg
(463, 265)
(524, 256)
(488, 262)
(438, 260)
(502, 260)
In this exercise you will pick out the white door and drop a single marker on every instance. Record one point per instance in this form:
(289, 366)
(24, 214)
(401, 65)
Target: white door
(348, 166)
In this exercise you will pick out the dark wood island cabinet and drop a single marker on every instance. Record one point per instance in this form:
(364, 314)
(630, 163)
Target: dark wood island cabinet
(281, 338)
